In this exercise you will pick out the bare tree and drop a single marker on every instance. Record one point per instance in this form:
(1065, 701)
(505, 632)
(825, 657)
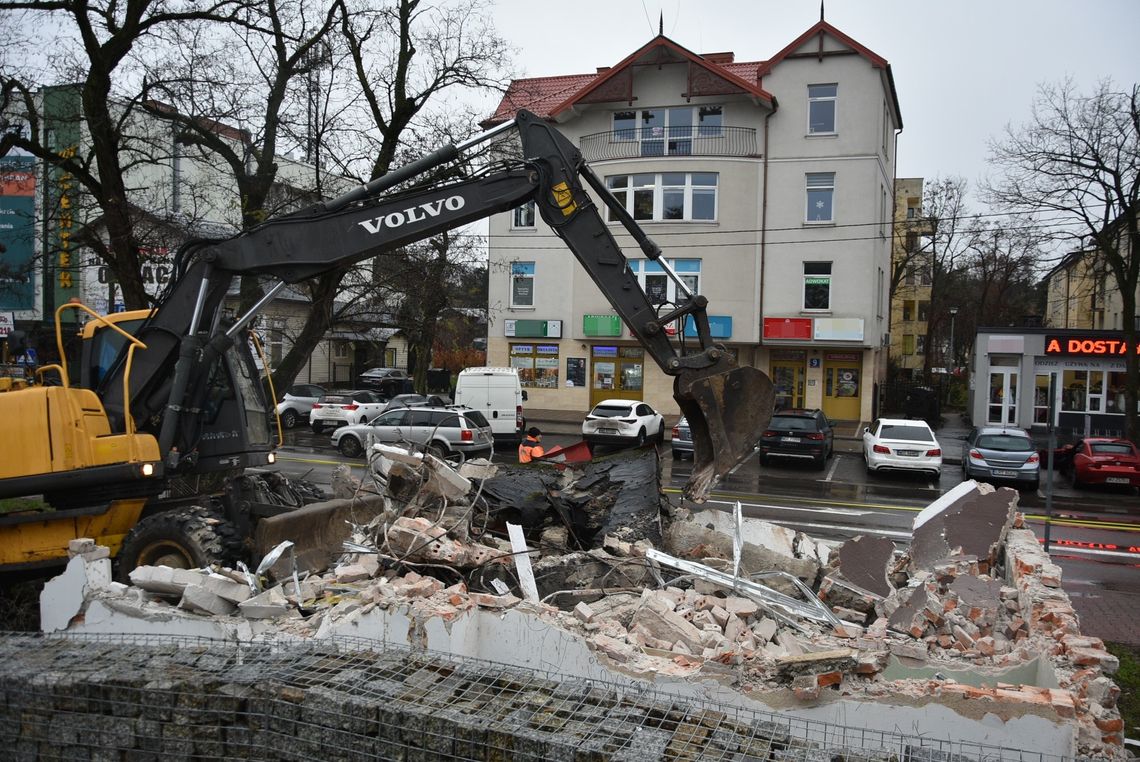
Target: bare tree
(105, 37)
(1078, 158)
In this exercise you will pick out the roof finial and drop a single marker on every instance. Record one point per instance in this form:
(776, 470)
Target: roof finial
(661, 23)
(821, 10)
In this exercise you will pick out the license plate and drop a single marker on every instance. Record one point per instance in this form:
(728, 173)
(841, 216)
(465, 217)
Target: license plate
(998, 472)
(1116, 480)
(911, 453)
(793, 440)
(607, 431)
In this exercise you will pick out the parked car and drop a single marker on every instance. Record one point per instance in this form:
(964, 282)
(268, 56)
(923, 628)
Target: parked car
(388, 381)
(442, 431)
(682, 440)
(901, 444)
(415, 400)
(1000, 453)
(296, 403)
(1105, 460)
(339, 408)
(623, 422)
(798, 433)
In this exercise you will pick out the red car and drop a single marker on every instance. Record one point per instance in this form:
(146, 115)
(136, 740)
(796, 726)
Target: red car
(1105, 460)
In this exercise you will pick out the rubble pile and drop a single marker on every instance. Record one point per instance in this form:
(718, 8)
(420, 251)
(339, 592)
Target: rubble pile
(971, 615)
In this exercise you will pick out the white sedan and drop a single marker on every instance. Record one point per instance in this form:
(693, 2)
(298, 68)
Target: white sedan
(623, 422)
(898, 444)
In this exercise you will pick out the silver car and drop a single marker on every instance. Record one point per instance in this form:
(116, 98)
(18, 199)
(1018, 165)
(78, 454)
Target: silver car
(1001, 453)
(442, 431)
(681, 440)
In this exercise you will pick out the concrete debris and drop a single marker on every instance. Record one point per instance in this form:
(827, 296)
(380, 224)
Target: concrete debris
(971, 615)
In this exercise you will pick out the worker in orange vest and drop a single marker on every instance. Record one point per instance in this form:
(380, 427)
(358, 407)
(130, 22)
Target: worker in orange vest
(530, 447)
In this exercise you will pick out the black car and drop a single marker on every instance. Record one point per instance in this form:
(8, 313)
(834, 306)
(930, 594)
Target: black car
(798, 433)
(387, 381)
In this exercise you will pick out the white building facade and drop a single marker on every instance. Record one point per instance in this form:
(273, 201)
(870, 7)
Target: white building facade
(768, 185)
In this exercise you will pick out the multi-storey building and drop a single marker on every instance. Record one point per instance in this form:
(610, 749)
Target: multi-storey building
(768, 186)
(910, 299)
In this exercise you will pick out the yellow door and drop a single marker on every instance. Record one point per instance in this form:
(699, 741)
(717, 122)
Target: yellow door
(616, 373)
(842, 379)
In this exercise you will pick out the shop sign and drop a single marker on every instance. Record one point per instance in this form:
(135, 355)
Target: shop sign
(787, 328)
(839, 329)
(1084, 346)
(601, 325)
(542, 329)
(842, 356)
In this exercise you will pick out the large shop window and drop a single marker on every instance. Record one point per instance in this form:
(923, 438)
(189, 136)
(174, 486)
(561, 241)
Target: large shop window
(658, 286)
(668, 131)
(1093, 391)
(666, 196)
(522, 284)
(817, 285)
(537, 364)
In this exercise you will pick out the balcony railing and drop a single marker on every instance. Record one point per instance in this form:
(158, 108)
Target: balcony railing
(672, 141)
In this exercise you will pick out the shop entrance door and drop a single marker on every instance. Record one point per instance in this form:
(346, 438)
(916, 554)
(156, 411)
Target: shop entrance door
(788, 383)
(616, 373)
(842, 373)
(1002, 407)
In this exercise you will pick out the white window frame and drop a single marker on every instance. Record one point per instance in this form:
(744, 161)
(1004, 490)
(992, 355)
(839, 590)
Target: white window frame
(833, 99)
(684, 267)
(521, 271)
(678, 127)
(639, 184)
(819, 182)
(523, 216)
(818, 275)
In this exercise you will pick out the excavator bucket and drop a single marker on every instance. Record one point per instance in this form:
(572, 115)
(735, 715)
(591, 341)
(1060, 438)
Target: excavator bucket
(728, 409)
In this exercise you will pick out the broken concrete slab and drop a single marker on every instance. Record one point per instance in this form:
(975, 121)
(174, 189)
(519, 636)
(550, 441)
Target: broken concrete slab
(318, 532)
(163, 580)
(63, 598)
(865, 562)
(973, 524)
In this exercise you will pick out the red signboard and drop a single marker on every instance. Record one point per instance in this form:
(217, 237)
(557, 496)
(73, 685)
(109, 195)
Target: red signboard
(1086, 346)
(787, 328)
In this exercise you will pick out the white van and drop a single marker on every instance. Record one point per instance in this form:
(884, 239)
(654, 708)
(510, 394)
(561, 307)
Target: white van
(499, 395)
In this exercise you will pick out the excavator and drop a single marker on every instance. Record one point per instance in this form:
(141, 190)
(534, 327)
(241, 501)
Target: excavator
(164, 406)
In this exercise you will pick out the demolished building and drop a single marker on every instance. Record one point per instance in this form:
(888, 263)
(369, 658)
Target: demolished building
(573, 612)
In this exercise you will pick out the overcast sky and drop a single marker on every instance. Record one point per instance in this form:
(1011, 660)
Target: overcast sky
(964, 69)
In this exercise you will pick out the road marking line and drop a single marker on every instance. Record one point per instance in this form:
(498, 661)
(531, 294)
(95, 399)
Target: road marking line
(831, 473)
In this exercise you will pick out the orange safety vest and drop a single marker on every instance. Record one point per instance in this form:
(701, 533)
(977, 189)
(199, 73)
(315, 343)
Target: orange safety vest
(529, 450)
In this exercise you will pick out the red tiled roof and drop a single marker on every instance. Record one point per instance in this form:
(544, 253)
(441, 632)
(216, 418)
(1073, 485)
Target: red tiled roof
(546, 97)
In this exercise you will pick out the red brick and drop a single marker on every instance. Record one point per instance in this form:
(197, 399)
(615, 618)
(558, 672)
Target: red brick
(828, 678)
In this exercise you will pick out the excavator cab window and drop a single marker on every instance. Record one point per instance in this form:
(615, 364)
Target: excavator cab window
(103, 348)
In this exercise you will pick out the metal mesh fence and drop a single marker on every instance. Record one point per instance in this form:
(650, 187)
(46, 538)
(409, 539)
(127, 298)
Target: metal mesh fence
(166, 698)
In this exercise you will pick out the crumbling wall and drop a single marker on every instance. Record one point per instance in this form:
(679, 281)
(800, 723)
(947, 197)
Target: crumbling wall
(966, 635)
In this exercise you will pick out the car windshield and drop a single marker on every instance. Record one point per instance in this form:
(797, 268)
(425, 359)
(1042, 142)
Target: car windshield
(606, 411)
(908, 432)
(1005, 443)
(791, 423)
(1111, 448)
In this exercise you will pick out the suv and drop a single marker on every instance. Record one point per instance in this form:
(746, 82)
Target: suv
(296, 403)
(798, 433)
(442, 431)
(1001, 453)
(338, 408)
(388, 381)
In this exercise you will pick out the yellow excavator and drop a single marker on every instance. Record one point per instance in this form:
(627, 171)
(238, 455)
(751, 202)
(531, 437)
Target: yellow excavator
(149, 441)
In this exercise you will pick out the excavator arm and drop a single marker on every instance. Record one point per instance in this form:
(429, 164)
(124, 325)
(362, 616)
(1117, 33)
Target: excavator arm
(727, 406)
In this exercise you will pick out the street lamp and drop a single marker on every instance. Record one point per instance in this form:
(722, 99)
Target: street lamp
(953, 312)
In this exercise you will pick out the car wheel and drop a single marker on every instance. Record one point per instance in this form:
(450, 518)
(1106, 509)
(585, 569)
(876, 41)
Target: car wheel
(640, 439)
(350, 447)
(436, 450)
(289, 419)
(821, 461)
(1076, 480)
(660, 438)
(763, 459)
(317, 427)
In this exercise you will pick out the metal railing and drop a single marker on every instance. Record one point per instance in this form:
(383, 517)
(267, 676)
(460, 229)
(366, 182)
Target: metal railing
(672, 141)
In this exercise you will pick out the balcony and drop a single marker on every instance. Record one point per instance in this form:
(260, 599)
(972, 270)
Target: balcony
(674, 141)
